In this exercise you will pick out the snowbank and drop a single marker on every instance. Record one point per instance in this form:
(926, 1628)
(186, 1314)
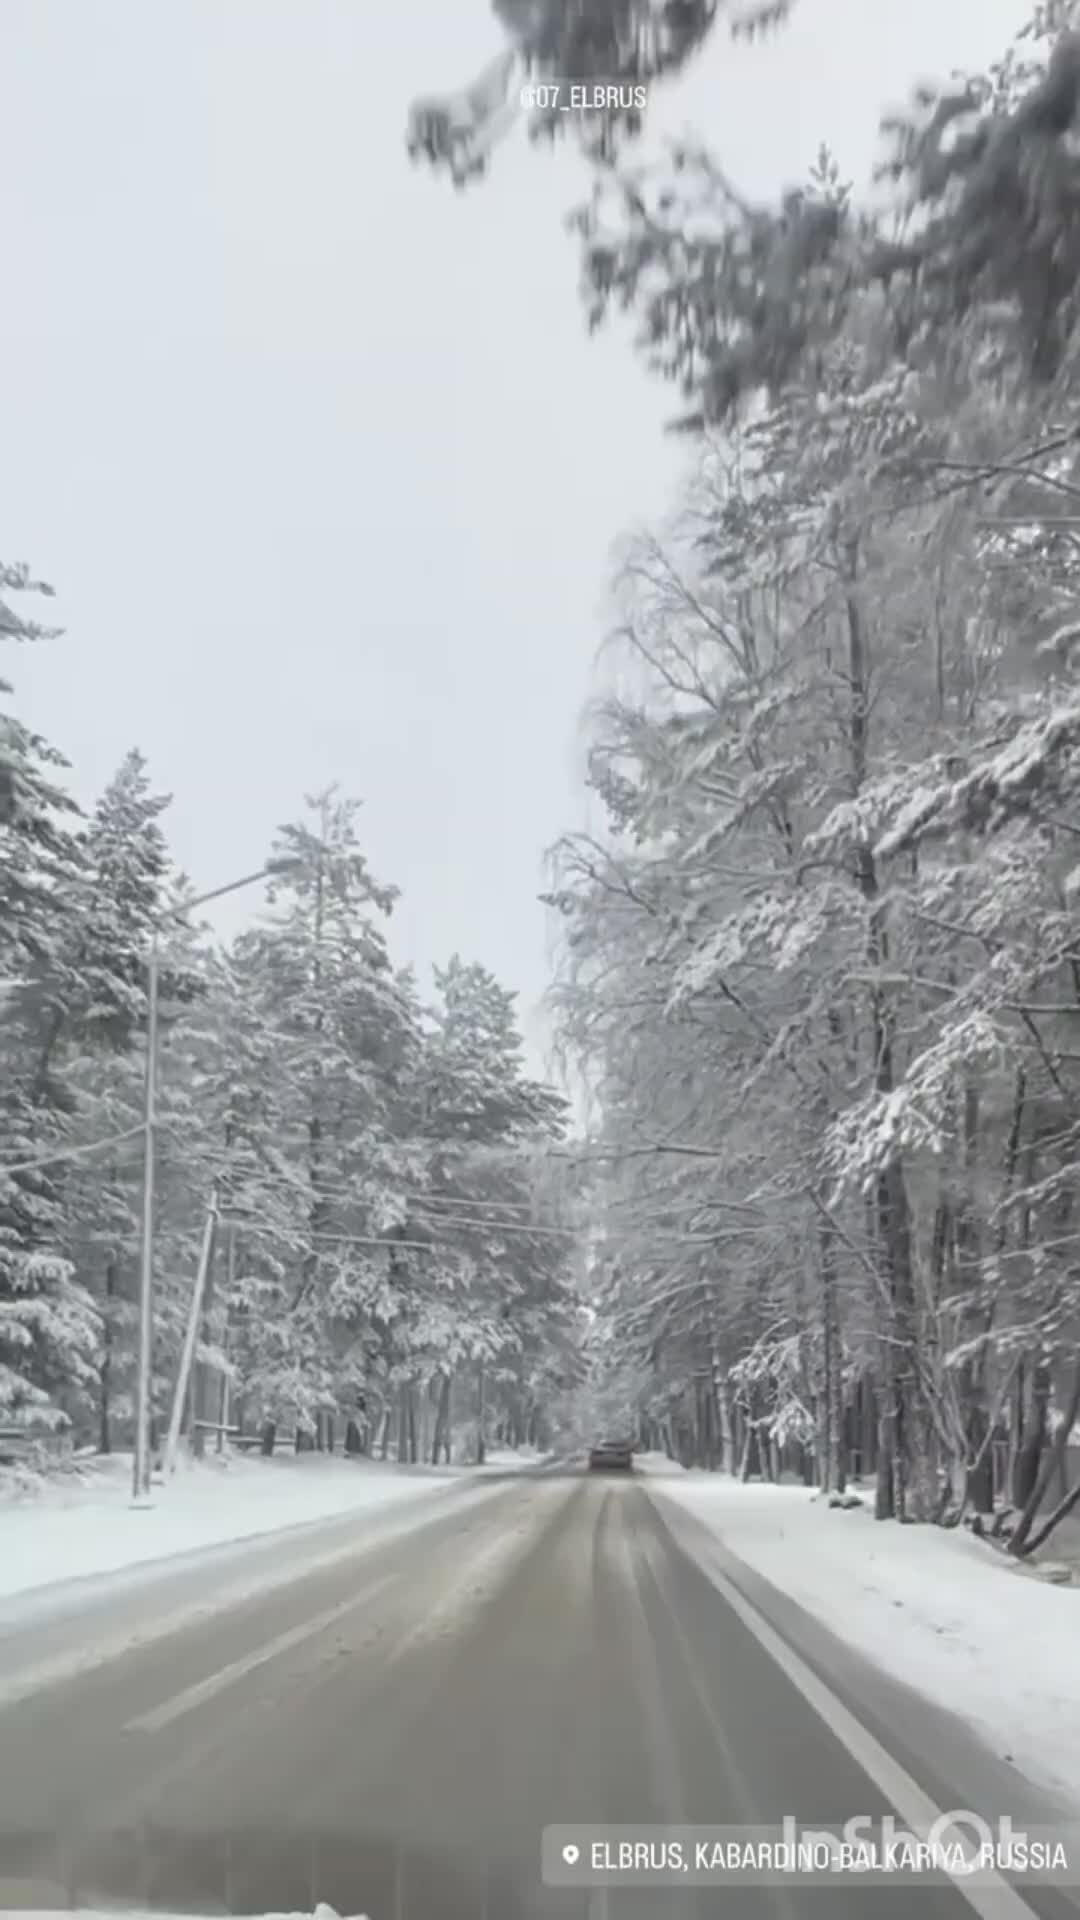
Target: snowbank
(659, 1466)
(509, 1459)
(84, 1523)
(942, 1612)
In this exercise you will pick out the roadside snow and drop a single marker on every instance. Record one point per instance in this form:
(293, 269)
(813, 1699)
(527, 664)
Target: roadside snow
(510, 1459)
(85, 1524)
(659, 1466)
(939, 1610)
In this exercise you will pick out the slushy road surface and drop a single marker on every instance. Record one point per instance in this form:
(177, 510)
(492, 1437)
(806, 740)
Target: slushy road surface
(392, 1733)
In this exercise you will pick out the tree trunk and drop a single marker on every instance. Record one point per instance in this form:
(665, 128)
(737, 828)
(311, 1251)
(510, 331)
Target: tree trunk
(1018, 1542)
(885, 1450)
(442, 1422)
(223, 1416)
(269, 1437)
(754, 1459)
(725, 1423)
(908, 1456)
(105, 1426)
(1063, 1508)
(980, 1473)
(1035, 1391)
(225, 1382)
(481, 1451)
(700, 1420)
(204, 1381)
(384, 1437)
(833, 1474)
(714, 1437)
(318, 1211)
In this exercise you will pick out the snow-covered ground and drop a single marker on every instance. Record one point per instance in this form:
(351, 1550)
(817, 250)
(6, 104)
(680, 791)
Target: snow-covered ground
(941, 1611)
(81, 1524)
(510, 1459)
(660, 1467)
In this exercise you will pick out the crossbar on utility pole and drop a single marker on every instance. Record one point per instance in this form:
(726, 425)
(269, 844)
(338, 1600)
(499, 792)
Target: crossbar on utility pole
(191, 1336)
(141, 1476)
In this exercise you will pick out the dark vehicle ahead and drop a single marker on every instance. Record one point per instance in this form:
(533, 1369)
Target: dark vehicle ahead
(612, 1456)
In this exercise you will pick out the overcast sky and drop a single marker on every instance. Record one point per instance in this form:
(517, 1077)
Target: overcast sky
(316, 451)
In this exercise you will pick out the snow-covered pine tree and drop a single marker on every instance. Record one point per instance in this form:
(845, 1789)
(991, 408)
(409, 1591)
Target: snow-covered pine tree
(505, 1288)
(95, 1037)
(48, 1327)
(342, 1027)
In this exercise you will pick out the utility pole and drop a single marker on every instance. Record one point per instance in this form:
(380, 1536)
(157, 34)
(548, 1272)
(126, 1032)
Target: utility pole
(191, 1335)
(141, 1480)
(141, 1475)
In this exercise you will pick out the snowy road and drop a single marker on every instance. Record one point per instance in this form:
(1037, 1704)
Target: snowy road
(393, 1731)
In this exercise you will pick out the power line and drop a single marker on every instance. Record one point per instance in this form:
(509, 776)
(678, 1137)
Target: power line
(340, 1187)
(347, 1239)
(506, 1226)
(357, 1239)
(69, 1153)
(343, 1192)
(454, 1200)
(484, 1213)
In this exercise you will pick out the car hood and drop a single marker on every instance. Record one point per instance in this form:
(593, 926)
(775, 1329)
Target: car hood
(156, 1913)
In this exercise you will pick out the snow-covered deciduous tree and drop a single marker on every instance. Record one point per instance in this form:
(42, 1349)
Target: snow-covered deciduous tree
(819, 968)
(734, 297)
(616, 47)
(979, 229)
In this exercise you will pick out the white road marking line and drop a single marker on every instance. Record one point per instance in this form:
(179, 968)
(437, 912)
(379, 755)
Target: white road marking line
(994, 1901)
(194, 1696)
(399, 1522)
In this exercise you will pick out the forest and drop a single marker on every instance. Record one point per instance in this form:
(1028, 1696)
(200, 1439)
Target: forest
(821, 970)
(391, 1245)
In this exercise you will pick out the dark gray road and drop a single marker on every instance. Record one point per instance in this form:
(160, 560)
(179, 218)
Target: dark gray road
(392, 1733)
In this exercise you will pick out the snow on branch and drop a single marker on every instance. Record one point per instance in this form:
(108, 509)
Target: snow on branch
(770, 930)
(1038, 760)
(914, 1116)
